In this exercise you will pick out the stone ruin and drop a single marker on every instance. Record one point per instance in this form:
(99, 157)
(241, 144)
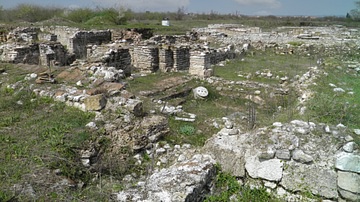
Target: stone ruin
(292, 162)
(63, 45)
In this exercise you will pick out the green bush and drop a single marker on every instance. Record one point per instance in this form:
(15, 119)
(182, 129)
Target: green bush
(187, 130)
(80, 15)
(33, 13)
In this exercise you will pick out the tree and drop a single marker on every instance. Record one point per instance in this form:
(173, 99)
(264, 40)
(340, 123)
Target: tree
(348, 15)
(180, 13)
(355, 13)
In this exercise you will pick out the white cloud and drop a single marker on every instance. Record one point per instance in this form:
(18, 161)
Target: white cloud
(161, 5)
(271, 3)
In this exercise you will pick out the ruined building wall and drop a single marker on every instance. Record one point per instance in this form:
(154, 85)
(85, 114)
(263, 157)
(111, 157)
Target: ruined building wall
(120, 59)
(23, 34)
(53, 52)
(63, 34)
(200, 64)
(20, 54)
(217, 56)
(111, 56)
(166, 59)
(79, 42)
(182, 58)
(39, 54)
(145, 58)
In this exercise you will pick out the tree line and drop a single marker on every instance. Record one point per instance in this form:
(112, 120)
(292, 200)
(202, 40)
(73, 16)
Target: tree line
(121, 16)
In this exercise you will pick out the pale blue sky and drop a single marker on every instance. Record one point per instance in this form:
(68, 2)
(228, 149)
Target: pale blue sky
(247, 7)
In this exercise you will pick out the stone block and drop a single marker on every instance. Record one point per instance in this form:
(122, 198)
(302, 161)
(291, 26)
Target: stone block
(349, 181)
(269, 170)
(135, 106)
(95, 102)
(348, 162)
(283, 154)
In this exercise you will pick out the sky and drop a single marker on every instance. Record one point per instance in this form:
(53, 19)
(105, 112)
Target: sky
(245, 7)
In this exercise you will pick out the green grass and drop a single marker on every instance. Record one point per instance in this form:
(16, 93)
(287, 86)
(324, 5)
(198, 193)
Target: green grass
(36, 136)
(279, 65)
(333, 108)
(148, 82)
(227, 186)
(206, 110)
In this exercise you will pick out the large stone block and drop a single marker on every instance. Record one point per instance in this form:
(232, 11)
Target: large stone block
(95, 102)
(269, 170)
(135, 106)
(184, 181)
(231, 159)
(349, 181)
(299, 177)
(348, 162)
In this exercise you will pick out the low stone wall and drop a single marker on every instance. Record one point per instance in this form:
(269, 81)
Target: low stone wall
(217, 56)
(28, 54)
(164, 53)
(120, 59)
(23, 34)
(38, 54)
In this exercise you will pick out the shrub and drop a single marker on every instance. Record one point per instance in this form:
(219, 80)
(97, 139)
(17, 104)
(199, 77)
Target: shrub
(187, 130)
(80, 15)
(33, 13)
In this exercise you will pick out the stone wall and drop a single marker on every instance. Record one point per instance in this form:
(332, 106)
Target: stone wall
(145, 58)
(28, 54)
(166, 59)
(111, 56)
(23, 34)
(63, 34)
(220, 55)
(79, 42)
(53, 52)
(182, 58)
(200, 64)
(120, 59)
(164, 53)
(40, 54)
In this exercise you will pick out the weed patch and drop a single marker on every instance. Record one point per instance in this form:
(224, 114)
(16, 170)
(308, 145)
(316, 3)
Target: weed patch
(227, 186)
(36, 134)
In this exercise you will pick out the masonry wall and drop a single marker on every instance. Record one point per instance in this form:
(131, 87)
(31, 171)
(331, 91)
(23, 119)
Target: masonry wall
(217, 56)
(166, 59)
(63, 34)
(28, 54)
(79, 42)
(200, 64)
(145, 58)
(182, 58)
(120, 59)
(53, 52)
